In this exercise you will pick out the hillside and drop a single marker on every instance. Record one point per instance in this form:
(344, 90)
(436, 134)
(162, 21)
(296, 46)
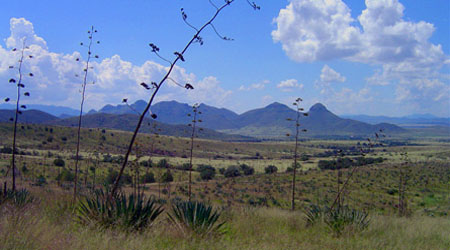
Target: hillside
(127, 122)
(271, 122)
(27, 116)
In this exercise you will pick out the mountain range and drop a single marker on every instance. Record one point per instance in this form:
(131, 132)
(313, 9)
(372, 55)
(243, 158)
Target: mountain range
(172, 118)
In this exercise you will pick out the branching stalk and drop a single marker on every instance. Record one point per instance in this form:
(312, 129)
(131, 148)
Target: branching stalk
(158, 86)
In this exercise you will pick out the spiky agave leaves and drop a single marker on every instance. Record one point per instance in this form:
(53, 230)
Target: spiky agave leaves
(344, 219)
(195, 218)
(126, 212)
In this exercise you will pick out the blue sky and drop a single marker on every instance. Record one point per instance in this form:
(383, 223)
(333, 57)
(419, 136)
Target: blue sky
(378, 57)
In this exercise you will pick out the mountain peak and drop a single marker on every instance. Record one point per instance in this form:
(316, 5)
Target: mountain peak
(276, 105)
(318, 107)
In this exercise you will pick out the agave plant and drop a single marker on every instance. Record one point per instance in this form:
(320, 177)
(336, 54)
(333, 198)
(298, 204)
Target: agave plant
(314, 214)
(195, 218)
(18, 198)
(127, 212)
(346, 219)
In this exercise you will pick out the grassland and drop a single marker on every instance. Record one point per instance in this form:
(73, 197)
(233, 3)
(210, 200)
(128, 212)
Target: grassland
(255, 206)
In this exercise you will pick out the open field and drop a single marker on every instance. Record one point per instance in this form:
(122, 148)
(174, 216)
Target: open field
(256, 206)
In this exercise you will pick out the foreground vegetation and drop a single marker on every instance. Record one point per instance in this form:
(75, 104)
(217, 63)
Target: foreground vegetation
(49, 224)
(246, 186)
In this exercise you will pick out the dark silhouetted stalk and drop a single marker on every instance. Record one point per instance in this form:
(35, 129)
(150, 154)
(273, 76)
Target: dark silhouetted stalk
(20, 85)
(83, 92)
(193, 125)
(297, 132)
(156, 86)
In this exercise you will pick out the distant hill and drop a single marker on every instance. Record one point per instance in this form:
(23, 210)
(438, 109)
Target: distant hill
(411, 121)
(173, 112)
(27, 116)
(270, 121)
(127, 122)
(57, 111)
(267, 122)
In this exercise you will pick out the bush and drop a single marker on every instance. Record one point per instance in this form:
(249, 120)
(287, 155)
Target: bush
(6, 150)
(148, 163)
(59, 162)
(163, 163)
(130, 213)
(167, 177)
(271, 169)
(112, 176)
(195, 218)
(65, 175)
(232, 171)
(206, 172)
(247, 170)
(148, 178)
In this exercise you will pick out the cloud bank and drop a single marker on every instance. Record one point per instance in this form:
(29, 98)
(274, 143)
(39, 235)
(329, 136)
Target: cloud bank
(55, 81)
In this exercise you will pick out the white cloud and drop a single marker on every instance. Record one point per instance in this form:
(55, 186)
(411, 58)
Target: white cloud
(289, 85)
(311, 30)
(318, 30)
(329, 75)
(55, 83)
(23, 29)
(258, 86)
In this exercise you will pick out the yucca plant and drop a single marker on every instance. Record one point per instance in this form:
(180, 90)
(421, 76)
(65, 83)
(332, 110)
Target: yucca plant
(314, 214)
(195, 218)
(126, 212)
(344, 219)
(18, 198)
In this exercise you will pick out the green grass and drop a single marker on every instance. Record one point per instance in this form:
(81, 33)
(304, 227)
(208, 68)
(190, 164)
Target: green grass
(48, 226)
(256, 207)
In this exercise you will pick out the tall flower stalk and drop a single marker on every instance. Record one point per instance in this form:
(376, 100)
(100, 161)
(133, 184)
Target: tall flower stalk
(20, 85)
(86, 69)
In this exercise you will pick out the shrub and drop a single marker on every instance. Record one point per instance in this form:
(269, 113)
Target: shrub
(59, 162)
(206, 172)
(195, 218)
(65, 175)
(148, 178)
(167, 177)
(130, 213)
(112, 176)
(232, 171)
(6, 150)
(148, 163)
(247, 170)
(163, 163)
(41, 180)
(271, 169)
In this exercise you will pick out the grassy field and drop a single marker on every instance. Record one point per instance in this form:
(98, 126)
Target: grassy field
(255, 207)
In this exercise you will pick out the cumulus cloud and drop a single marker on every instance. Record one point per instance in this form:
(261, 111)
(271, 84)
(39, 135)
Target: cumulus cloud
(320, 30)
(327, 77)
(23, 29)
(289, 85)
(55, 81)
(258, 85)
